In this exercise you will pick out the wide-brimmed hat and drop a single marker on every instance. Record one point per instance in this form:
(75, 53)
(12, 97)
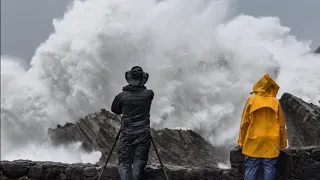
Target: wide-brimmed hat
(136, 76)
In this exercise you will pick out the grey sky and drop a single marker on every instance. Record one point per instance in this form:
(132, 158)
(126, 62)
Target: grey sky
(27, 23)
(302, 16)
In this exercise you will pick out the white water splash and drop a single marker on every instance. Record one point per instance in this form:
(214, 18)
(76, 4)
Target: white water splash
(47, 152)
(202, 62)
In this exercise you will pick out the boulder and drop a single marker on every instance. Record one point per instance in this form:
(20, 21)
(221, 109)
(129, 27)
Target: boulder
(14, 169)
(35, 172)
(302, 121)
(305, 163)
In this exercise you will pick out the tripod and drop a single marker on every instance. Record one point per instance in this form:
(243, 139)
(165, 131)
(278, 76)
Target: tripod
(114, 144)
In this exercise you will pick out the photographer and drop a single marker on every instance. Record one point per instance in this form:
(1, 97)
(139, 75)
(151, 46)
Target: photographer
(134, 104)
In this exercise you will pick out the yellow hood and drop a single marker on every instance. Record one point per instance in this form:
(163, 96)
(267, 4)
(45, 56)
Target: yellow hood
(266, 86)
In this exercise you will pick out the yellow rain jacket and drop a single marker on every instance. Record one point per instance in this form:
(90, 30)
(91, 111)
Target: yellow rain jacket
(262, 130)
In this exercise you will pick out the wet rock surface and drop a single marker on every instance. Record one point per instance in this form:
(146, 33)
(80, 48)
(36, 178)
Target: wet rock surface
(302, 121)
(97, 131)
(293, 164)
(61, 171)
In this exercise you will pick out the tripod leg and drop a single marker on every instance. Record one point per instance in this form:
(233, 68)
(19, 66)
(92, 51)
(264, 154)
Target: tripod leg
(110, 153)
(164, 171)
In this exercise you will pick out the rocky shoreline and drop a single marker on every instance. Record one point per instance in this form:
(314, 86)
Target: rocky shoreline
(27, 170)
(186, 155)
(295, 164)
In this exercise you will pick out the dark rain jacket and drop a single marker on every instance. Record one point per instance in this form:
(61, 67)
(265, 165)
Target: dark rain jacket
(134, 104)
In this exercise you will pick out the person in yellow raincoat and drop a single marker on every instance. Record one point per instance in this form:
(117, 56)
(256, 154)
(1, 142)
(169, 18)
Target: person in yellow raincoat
(262, 130)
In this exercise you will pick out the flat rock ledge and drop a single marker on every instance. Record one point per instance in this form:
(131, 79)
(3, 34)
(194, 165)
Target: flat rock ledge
(293, 164)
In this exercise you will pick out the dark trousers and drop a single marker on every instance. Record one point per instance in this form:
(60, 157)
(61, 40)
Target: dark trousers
(252, 166)
(133, 155)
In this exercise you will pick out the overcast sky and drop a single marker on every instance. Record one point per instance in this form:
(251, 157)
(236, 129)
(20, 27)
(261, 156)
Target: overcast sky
(27, 23)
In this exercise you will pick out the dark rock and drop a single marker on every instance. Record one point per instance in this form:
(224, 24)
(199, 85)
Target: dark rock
(53, 170)
(315, 154)
(74, 173)
(304, 157)
(156, 174)
(25, 178)
(35, 172)
(184, 148)
(176, 147)
(304, 167)
(318, 50)
(192, 174)
(14, 170)
(90, 171)
(237, 163)
(292, 164)
(111, 171)
(236, 155)
(284, 165)
(2, 177)
(53, 174)
(302, 121)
